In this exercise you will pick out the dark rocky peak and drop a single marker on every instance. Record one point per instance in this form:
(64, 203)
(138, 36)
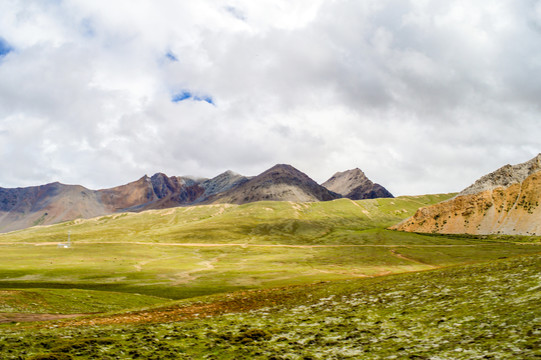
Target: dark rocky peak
(223, 182)
(355, 185)
(229, 173)
(164, 185)
(190, 180)
(346, 181)
(285, 173)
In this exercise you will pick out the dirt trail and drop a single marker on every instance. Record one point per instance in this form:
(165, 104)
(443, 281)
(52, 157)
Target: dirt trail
(364, 211)
(254, 245)
(403, 257)
(24, 317)
(191, 275)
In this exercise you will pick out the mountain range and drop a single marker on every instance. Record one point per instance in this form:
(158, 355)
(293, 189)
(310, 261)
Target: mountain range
(505, 201)
(56, 202)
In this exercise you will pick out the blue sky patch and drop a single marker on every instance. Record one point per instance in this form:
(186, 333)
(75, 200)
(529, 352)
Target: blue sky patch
(171, 56)
(87, 28)
(5, 48)
(236, 13)
(204, 98)
(186, 95)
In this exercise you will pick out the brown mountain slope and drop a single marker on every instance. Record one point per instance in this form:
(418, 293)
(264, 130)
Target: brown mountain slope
(279, 183)
(354, 184)
(46, 204)
(156, 192)
(503, 202)
(55, 202)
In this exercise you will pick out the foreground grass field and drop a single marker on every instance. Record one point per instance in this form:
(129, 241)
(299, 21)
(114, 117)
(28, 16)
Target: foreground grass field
(270, 280)
(481, 311)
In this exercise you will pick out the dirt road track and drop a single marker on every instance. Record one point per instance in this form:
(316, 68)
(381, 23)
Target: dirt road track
(24, 317)
(251, 245)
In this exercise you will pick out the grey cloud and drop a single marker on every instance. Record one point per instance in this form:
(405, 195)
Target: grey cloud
(423, 96)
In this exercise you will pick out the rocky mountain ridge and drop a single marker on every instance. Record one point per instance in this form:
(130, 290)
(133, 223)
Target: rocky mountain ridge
(55, 202)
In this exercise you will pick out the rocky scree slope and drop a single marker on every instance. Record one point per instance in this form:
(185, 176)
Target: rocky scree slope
(505, 201)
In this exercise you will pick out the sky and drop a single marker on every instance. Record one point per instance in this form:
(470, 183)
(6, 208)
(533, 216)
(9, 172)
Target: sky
(423, 96)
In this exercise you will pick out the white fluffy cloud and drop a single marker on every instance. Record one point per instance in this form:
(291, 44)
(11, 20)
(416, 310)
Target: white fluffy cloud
(423, 96)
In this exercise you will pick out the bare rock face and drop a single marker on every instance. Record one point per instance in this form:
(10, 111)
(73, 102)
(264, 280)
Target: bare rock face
(503, 202)
(354, 184)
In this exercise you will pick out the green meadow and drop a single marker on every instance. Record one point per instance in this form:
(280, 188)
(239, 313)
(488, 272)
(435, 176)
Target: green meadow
(280, 260)
(488, 310)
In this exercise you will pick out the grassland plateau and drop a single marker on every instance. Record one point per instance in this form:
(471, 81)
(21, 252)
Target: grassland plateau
(268, 280)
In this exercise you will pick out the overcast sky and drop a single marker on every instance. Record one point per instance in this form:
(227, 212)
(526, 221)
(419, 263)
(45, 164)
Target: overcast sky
(423, 96)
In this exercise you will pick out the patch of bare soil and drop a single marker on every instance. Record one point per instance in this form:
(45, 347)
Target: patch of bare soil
(24, 317)
(403, 257)
(242, 301)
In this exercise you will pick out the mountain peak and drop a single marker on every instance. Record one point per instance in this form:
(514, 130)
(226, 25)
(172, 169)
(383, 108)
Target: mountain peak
(505, 176)
(354, 185)
(282, 167)
(223, 182)
(158, 175)
(282, 182)
(229, 173)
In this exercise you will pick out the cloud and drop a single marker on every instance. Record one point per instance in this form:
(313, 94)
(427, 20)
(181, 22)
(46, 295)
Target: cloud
(235, 12)
(423, 96)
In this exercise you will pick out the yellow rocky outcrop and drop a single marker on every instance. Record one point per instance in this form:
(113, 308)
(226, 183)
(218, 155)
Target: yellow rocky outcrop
(513, 210)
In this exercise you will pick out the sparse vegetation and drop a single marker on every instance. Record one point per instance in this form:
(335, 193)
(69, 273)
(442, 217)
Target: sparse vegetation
(487, 310)
(314, 270)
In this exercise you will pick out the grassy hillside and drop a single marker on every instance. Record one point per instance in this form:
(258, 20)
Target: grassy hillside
(72, 301)
(261, 222)
(185, 252)
(481, 311)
